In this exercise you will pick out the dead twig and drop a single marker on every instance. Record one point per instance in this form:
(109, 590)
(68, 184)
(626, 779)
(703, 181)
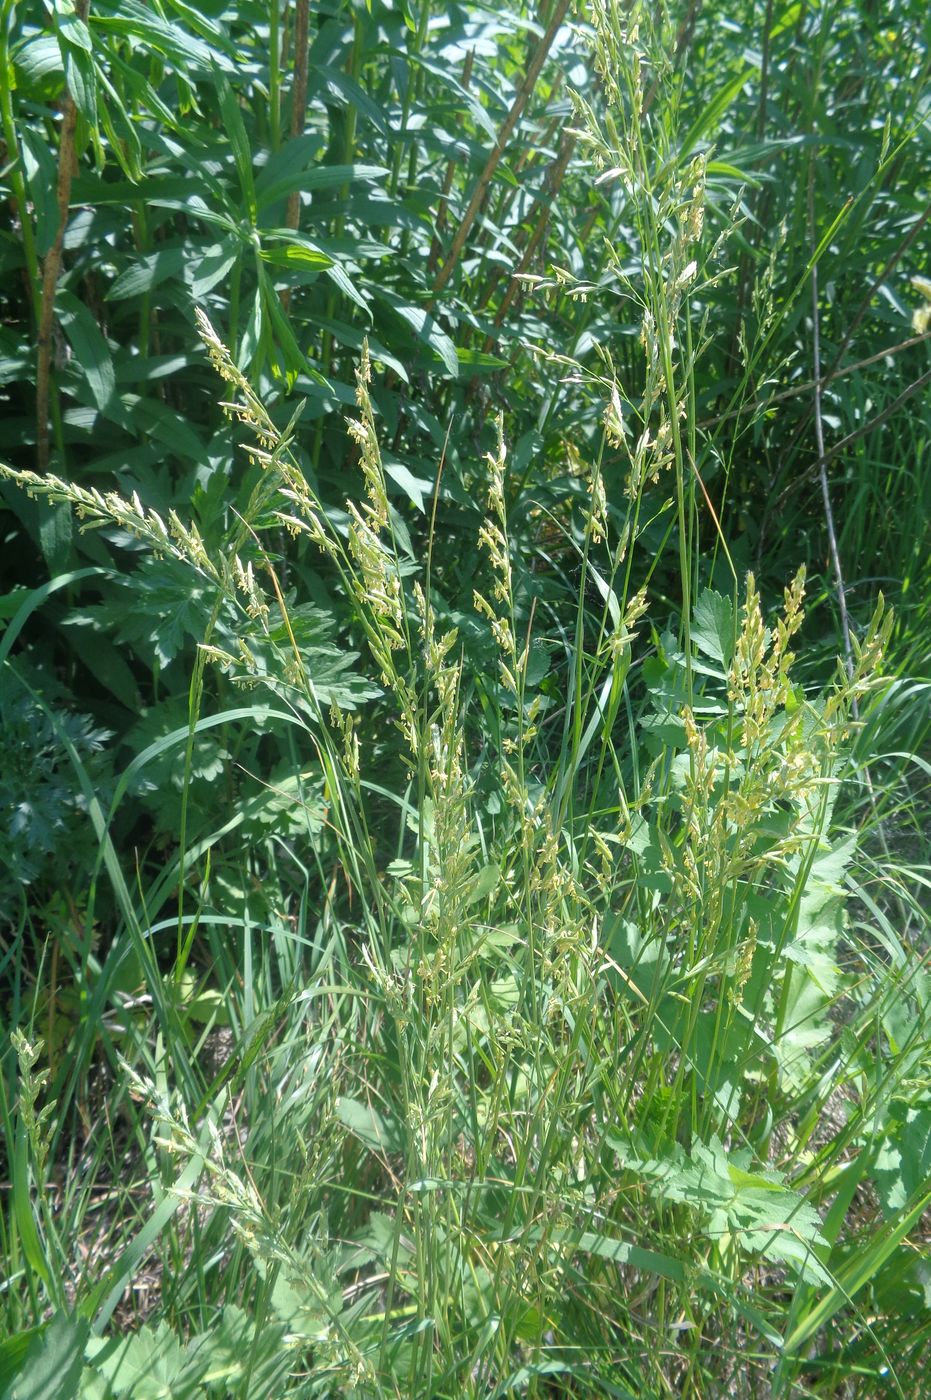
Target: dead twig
(51, 268)
(298, 96)
(504, 136)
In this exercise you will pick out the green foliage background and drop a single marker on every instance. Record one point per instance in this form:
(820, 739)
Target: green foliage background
(454, 946)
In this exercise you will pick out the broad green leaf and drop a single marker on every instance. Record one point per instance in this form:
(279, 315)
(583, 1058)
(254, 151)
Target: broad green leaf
(144, 1366)
(98, 190)
(484, 884)
(82, 82)
(186, 53)
(235, 129)
(77, 49)
(787, 20)
(41, 171)
(23, 1210)
(156, 420)
(296, 361)
(122, 138)
(12, 1354)
(213, 265)
(375, 211)
(109, 663)
(621, 1252)
(295, 255)
(463, 95)
(56, 535)
(713, 627)
(148, 272)
(140, 93)
(756, 1208)
(479, 361)
(713, 110)
(149, 369)
(350, 94)
(317, 177)
(195, 206)
(211, 29)
(38, 58)
(416, 488)
(368, 1125)
(52, 1366)
(381, 1237)
(307, 1306)
(237, 1347)
(903, 1161)
(349, 335)
(344, 282)
(91, 352)
(426, 327)
(71, 28)
(291, 161)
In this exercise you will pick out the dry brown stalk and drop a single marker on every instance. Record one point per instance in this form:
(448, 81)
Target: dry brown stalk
(51, 267)
(556, 176)
(298, 96)
(504, 136)
(435, 246)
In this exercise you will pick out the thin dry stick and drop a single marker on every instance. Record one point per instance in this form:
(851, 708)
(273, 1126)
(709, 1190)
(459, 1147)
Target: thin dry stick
(298, 96)
(819, 437)
(855, 436)
(880, 279)
(544, 207)
(435, 245)
(801, 428)
(809, 384)
(532, 150)
(51, 267)
(515, 285)
(504, 135)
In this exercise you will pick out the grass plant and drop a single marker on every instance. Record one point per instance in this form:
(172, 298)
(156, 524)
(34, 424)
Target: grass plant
(475, 940)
